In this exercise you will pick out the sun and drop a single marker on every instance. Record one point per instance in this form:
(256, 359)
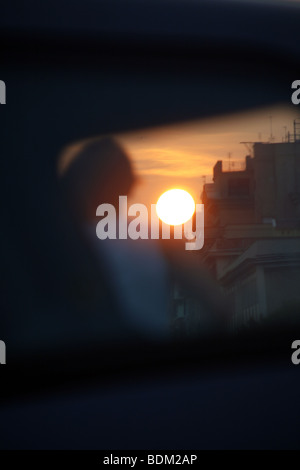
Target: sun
(175, 207)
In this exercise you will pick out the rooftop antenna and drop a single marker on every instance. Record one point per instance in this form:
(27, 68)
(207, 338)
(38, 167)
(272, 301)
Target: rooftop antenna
(249, 147)
(285, 134)
(229, 159)
(271, 129)
(297, 130)
(203, 184)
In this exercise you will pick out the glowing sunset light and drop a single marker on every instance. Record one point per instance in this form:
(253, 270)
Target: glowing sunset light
(175, 207)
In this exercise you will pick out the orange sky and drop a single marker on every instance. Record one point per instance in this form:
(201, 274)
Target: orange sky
(181, 155)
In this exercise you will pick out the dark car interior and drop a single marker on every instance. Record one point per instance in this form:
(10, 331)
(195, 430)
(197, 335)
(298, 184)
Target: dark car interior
(77, 376)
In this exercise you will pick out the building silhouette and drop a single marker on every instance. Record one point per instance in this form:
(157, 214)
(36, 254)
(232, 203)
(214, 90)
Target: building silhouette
(252, 236)
(252, 231)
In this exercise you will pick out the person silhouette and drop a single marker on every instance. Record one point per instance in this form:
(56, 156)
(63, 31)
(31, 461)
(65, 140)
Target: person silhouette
(97, 172)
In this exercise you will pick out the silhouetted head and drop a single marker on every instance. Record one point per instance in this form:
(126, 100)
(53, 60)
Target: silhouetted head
(98, 173)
